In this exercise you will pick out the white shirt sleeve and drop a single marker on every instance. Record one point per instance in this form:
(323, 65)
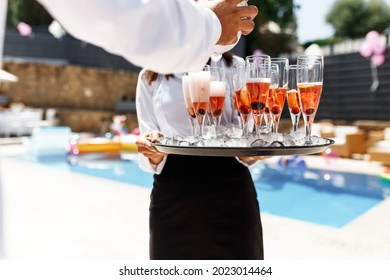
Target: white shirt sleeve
(166, 36)
(147, 120)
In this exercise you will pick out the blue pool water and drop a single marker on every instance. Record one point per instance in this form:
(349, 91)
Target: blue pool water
(318, 196)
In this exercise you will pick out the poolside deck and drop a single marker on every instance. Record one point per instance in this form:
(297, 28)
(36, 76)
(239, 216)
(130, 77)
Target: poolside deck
(52, 213)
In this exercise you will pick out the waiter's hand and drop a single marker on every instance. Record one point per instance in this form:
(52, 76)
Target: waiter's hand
(233, 18)
(252, 160)
(145, 147)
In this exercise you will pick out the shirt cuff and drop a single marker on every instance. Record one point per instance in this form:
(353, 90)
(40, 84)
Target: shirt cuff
(145, 164)
(217, 30)
(250, 164)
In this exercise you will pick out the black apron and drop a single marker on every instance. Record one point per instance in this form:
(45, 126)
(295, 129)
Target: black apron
(204, 208)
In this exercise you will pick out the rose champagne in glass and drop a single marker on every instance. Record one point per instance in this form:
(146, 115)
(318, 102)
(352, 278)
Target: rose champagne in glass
(267, 116)
(188, 102)
(217, 95)
(309, 80)
(258, 79)
(292, 96)
(277, 95)
(199, 83)
(241, 95)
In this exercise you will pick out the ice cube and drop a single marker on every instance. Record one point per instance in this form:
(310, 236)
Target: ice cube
(314, 140)
(270, 137)
(235, 142)
(322, 141)
(277, 144)
(184, 143)
(288, 140)
(209, 132)
(233, 130)
(259, 143)
(213, 142)
(199, 143)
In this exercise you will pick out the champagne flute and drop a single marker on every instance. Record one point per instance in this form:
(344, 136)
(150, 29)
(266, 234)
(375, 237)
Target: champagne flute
(217, 95)
(267, 116)
(241, 95)
(188, 102)
(309, 80)
(199, 84)
(277, 95)
(304, 59)
(258, 78)
(292, 96)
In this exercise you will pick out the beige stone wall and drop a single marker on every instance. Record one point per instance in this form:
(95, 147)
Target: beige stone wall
(85, 97)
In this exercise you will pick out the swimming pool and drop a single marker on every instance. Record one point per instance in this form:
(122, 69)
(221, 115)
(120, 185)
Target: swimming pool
(318, 196)
(323, 197)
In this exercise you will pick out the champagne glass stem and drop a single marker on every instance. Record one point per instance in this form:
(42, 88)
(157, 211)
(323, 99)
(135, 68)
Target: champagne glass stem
(193, 120)
(258, 121)
(295, 126)
(308, 132)
(295, 120)
(275, 126)
(244, 121)
(200, 119)
(268, 121)
(217, 124)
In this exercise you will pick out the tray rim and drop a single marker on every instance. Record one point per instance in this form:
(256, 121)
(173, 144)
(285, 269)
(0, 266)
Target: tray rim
(243, 151)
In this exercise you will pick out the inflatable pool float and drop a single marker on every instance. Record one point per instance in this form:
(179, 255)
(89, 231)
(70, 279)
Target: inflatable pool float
(101, 145)
(385, 176)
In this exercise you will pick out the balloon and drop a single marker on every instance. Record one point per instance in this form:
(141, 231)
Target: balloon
(24, 29)
(373, 47)
(379, 49)
(378, 59)
(258, 52)
(365, 49)
(373, 36)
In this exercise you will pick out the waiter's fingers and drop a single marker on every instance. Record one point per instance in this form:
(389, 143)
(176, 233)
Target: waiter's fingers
(246, 26)
(154, 136)
(143, 143)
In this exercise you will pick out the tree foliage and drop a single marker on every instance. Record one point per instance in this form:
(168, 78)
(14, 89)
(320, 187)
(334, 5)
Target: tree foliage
(28, 11)
(355, 18)
(280, 12)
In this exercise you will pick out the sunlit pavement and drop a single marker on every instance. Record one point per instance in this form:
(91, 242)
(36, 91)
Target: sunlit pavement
(51, 213)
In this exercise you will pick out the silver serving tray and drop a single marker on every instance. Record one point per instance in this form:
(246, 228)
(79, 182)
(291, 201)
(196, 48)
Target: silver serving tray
(239, 151)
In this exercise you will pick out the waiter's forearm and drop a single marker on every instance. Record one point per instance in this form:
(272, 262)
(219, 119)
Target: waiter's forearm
(162, 35)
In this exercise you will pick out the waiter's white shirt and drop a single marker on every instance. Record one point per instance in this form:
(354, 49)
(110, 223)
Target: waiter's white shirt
(161, 107)
(165, 36)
